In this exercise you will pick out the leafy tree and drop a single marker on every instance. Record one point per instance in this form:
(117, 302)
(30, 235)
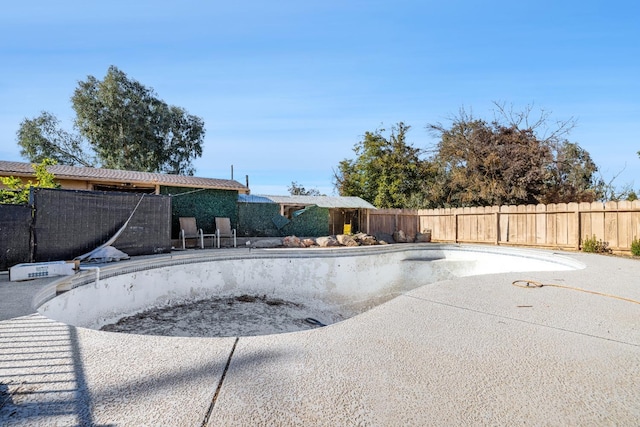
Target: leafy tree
(572, 172)
(571, 176)
(387, 171)
(41, 138)
(17, 192)
(122, 125)
(359, 177)
(298, 190)
(510, 160)
(130, 128)
(490, 164)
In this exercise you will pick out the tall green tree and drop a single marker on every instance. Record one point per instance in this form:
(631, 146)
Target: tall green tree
(129, 127)
(41, 138)
(122, 125)
(387, 171)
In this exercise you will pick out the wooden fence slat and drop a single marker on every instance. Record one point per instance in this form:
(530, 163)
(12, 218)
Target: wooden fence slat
(541, 224)
(611, 223)
(624, 224)
(573, 224)
(635, 220)
(531, 225)
(521, 224)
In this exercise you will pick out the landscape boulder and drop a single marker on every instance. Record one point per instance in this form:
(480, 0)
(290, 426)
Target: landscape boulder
(346, 240)
(423, 237)
(309, 242)
(400, 237)
(365, 239)
(292, 242)
(327, 241)
(384, 238)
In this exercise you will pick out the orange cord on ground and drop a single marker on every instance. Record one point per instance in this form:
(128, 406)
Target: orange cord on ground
(534, 284)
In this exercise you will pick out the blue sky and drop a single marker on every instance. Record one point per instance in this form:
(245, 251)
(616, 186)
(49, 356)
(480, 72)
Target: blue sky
(287, 88)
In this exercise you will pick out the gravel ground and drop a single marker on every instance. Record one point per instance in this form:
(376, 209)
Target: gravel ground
(244, 315)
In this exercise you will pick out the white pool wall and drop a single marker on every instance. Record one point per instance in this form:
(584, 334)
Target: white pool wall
(353, 278)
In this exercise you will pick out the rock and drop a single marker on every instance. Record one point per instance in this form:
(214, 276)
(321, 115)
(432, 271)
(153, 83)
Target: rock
(267, 243)
(309, 242)
(384, 237)
(365, 239)
(399, 237)
(292, 242)
(423, 237)
(346, 240)
(327, 241)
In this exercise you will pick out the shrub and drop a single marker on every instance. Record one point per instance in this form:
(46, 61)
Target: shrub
(591, 244)
(635, 247)
(17, 192)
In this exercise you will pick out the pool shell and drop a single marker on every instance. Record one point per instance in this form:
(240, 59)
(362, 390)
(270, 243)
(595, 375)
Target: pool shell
(351, 280)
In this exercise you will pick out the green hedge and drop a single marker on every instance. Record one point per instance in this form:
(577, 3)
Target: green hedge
(204, 205)
(256, 219)
(249, 219)
(312, 222)
(264, 220)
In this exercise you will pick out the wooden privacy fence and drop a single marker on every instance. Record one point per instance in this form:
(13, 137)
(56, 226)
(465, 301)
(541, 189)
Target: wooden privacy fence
(390, 220)
(562, 225)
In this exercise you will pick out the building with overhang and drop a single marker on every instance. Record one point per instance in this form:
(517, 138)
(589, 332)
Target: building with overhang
(100, 179)
(202, 198)
(346, 214)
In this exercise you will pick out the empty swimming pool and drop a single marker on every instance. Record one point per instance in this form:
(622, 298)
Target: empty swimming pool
(258, 292)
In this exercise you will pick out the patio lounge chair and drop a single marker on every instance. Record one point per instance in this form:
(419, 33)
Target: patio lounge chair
(189, 230)
(223, 229)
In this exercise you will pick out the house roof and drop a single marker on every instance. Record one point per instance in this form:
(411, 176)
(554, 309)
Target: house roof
(332, 202)
(21, 169)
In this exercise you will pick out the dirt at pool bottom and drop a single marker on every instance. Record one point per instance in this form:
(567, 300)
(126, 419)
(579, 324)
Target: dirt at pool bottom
(244, 315)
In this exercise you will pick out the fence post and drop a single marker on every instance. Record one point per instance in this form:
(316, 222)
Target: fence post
(368, 221)
(455, 226)
(578, 228)
(497, 228)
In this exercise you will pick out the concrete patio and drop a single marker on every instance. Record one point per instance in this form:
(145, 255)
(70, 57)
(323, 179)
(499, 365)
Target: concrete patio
(468, 351)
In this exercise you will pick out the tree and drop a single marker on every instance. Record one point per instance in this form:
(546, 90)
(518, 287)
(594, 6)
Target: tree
(298, 190)
(130, 128)
(387, 171)
(608, 191)
(572, 176)
(122, 125)
(17, 192)
(125, 125)
(40, 138)
(511, 160)
(572, 172)
(490, 164)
